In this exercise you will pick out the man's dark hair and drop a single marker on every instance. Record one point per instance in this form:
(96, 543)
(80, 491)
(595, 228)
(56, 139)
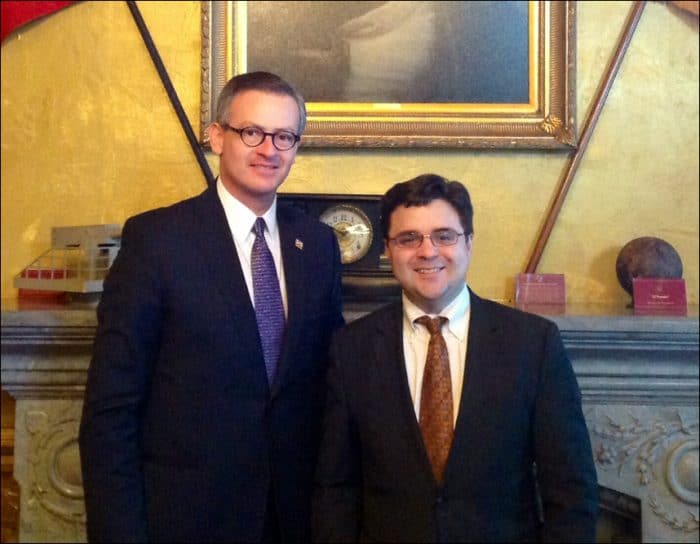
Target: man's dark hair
(257, 81)
(421, 191)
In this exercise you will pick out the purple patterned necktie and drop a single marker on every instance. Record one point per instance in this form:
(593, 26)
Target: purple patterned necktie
(269, 311)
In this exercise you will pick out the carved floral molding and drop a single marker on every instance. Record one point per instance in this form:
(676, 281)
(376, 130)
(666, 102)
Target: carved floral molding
(53, 468)
(660, 452)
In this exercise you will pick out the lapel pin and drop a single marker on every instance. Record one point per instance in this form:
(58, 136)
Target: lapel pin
(298, 244)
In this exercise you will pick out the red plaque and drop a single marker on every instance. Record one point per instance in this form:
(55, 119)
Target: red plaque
(659, 296)
(540, 293)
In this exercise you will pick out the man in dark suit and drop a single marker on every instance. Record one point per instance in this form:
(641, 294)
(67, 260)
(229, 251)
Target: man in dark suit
(450, 418)
(202, 409)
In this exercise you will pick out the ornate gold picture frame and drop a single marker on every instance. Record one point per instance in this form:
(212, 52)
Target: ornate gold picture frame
(544, 118)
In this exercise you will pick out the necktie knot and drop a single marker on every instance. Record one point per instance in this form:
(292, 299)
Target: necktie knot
(259, 227)
(433, 324)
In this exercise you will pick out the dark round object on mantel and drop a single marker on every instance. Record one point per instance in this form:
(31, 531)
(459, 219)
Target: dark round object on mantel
(647, 257)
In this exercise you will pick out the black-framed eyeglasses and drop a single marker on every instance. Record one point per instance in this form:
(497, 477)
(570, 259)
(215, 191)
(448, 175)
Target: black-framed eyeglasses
(439, 238)
(255, 136)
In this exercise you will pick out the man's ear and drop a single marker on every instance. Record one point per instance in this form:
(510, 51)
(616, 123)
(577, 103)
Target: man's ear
(216, 138)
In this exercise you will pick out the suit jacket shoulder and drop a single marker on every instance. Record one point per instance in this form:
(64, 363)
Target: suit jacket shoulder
(383, 317)
(508, 316)
(174, 221)
(290, 214)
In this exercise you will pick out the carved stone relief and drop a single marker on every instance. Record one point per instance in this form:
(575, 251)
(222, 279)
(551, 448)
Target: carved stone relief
(652, 453)
(50, 474)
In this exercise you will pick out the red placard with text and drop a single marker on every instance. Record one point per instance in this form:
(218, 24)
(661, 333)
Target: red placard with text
(659, 296)
(540, 293)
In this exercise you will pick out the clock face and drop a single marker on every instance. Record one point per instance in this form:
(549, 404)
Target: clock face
(353, 229)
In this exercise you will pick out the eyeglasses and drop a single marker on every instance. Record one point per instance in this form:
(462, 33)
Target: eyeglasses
(254, 136)
(439, 238)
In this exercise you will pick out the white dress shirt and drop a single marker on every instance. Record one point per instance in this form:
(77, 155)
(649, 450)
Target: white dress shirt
(415, 346)
(240, 221)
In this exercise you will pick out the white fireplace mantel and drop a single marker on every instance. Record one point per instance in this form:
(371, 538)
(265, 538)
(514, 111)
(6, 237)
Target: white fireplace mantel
(638, 377)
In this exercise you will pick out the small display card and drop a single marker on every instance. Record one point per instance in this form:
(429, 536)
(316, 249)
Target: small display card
(659, 296)
(540, 293)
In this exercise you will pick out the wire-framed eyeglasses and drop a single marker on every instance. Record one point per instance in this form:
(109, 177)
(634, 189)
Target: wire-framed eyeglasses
(255, 136)
(439, 238)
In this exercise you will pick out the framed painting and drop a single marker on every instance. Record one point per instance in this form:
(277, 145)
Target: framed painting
(475, 74)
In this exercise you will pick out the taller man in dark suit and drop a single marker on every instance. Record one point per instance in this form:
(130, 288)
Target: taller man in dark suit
(202, 409)
(450, 418)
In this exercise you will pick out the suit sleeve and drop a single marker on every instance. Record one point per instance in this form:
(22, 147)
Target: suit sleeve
(565, 469)
(117, 384)
(335, 514)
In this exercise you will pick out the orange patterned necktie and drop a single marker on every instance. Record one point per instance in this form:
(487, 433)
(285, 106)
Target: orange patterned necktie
(436, 398)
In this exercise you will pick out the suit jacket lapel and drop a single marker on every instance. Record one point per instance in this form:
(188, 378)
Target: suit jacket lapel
(291, 243)
(483, 331)
(219, 251)
(392, 371)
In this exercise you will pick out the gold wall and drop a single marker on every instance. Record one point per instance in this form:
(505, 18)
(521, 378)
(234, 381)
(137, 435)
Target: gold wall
(89, 136)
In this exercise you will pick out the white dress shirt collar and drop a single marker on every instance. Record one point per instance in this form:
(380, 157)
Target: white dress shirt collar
(456, 312)
(241, 218)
